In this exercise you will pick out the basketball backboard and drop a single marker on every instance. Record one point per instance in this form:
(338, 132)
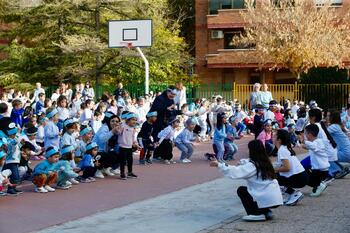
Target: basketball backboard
(137, 33)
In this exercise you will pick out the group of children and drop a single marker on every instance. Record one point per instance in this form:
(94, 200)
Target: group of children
(273, 172)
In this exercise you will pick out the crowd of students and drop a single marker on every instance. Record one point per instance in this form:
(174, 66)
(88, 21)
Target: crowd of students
(77, 140)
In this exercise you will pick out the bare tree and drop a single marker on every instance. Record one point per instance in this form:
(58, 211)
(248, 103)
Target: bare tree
(297, 34)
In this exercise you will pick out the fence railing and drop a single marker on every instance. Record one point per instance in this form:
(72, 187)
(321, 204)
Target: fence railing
(328, 96)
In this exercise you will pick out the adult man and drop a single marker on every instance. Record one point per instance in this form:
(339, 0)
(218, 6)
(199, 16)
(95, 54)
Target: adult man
(37, 91)
(180, 98)
(165, 107)
(254, 98)
(265, 96)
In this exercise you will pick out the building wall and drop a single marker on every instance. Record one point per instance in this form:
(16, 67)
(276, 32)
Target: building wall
(215, 64)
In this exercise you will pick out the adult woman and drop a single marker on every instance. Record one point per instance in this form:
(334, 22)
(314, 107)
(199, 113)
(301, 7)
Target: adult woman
(254, 98)
(106, 140)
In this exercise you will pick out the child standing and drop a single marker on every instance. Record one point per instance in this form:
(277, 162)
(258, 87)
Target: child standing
(97, 121)
(42, 121)
(13, 158)
(145, 138)
(51, 131)
(258, 120)
(184, 141)
(290, 173)
(220, 134)
(45, 173)
(126, 141)
(231, 136)
(17, 113)
(62, 110)
(262, 191)
(318, 158)
(164, 149)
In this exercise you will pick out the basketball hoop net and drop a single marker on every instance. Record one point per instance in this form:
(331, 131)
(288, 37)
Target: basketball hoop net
(127, 45)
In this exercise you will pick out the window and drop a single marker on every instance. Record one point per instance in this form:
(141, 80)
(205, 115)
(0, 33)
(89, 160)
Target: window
(333, 2)
(277, 3)
(229, 35)
(215, 5)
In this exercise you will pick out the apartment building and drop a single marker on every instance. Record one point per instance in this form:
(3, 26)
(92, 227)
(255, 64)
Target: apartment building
(217, 60)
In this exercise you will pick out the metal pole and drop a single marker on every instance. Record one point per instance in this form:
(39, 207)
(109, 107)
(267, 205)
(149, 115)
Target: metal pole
(146, 70)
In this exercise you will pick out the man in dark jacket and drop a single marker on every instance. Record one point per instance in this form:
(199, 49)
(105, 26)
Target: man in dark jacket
(165, 107)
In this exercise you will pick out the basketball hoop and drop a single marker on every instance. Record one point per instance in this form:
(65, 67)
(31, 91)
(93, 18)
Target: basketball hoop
(128, 45)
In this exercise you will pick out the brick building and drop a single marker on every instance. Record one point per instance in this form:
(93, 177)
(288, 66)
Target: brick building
(217, 61)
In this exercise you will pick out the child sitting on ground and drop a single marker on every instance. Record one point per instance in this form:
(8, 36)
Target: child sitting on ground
(262, 191)
(184, 141)
(45, 173)
(25, 172)
(145, 138)
(4, 174)
(266, 137)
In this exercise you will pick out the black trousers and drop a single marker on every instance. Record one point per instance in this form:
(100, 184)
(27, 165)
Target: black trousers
(109, 159)
(125, 158)
(250, 206)
(164, 150)
(89, 172)
(316, 176)
(295, 181)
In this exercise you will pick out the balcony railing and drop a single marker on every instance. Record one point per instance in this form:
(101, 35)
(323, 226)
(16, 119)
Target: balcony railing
(216, 5)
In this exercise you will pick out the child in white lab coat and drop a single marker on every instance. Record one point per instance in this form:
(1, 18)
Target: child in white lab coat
(262, 191)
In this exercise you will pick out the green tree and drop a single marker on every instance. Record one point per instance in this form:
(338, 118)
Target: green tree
(67, 40)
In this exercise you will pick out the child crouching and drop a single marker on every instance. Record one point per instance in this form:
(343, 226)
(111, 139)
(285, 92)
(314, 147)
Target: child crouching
(89, 164)
(45, 173)
(66, 174)
(184, 141)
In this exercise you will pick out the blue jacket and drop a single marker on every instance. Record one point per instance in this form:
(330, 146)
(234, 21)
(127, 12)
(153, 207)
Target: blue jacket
(52, 137)
(17, 116)
(44, 168)
(87, 161)
(102, 137)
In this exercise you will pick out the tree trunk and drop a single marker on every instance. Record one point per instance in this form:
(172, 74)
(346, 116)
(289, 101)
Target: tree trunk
(98, 55)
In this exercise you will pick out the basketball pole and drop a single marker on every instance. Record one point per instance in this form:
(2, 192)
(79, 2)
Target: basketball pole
(146, 69)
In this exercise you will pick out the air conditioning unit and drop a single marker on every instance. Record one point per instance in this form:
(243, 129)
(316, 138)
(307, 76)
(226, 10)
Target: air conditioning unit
(216, 34)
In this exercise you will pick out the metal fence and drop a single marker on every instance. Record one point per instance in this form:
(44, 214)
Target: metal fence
(328, 96)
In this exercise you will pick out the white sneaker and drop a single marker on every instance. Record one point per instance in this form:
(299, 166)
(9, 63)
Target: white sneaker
(184, 161)
(48, 188)
(40, 190)
(189, 161)
(286, 197)
(107, 172)
(319, 190)
(295, 198)
(115, 171)
(167, 162)
(254, 218)
(98, 174)
(68, 182)
(73, 181)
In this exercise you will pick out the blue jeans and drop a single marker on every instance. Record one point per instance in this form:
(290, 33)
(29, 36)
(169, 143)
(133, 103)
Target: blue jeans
(240, 128)
(221, 150)
(14, 178)
(233, 148)
(186, 150)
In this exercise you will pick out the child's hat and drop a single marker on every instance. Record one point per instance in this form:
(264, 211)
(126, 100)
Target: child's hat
(12, 129)
(51, 152)
(51, 113)
(85, 131)
(109, 114)
(268, 122)
(152, 114)
(191, 121)
(174, 120)
(42, 120)
(67, 149)
(69, 121)
(31, 131)
(131, 115)
(91, 146)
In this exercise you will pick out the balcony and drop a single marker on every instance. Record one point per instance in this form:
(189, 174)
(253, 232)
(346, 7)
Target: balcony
(233, 58)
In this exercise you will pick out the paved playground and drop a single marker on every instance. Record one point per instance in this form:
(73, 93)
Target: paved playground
(179, 198)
